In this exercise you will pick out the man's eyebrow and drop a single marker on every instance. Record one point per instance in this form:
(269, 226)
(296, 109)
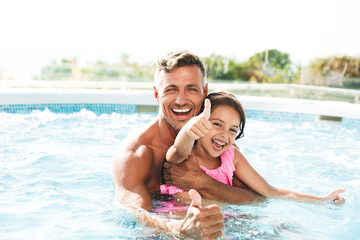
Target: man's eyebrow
(192, 85)
(171, 86)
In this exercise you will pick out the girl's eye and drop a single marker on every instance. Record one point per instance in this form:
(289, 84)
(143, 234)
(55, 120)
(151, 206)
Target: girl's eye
(217, 124)
(234, 130)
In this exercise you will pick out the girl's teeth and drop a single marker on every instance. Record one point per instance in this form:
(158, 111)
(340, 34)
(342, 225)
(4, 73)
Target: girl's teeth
(220, 143)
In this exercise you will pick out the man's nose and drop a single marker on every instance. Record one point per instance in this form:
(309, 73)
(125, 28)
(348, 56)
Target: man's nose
(180, 98)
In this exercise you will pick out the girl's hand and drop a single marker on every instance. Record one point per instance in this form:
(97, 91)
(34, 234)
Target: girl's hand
(335, 198)
(199, 126)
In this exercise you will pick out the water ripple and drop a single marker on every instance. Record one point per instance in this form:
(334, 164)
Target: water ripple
(56, 180)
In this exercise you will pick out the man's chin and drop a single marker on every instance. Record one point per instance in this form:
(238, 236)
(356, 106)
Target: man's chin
(177, 125)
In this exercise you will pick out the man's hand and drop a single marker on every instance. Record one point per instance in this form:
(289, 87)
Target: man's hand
(188, 175)
(200, 125)
(202, 223)
(184, 175)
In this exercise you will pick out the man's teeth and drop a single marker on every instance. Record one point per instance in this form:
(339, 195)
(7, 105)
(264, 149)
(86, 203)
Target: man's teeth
(181, 110)
(218, 142)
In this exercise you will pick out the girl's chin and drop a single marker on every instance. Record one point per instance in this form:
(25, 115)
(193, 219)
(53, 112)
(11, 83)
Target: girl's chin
(216, 152)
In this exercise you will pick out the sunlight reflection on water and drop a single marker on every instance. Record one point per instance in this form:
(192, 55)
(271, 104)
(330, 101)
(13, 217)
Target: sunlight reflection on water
(56, 180)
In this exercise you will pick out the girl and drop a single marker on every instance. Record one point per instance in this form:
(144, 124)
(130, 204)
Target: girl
(210, 138)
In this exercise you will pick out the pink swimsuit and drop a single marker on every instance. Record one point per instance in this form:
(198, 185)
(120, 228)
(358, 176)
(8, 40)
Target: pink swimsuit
(224, 173)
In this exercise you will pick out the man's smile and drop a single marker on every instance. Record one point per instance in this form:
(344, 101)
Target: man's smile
(181, 113)
(181, 110)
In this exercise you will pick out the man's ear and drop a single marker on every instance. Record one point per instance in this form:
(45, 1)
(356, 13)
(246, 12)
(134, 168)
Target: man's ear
(206, 89)
(156, 94)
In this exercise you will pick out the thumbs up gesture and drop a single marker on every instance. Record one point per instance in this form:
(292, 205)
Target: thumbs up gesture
(202, 222)
(200, 125)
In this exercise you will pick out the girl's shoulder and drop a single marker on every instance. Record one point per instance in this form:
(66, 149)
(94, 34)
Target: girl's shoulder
(228, 155)
(236, 149)
(237, 154)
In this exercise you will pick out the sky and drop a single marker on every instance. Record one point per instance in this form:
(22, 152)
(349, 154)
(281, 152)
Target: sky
(33, 33)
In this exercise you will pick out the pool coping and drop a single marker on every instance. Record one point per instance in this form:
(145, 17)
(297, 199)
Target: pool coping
(144, 101)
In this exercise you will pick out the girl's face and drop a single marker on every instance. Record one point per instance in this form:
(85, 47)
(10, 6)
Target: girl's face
(225, 122)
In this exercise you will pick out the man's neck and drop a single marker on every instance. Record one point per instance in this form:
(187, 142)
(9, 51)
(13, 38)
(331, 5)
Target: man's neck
(166, 131)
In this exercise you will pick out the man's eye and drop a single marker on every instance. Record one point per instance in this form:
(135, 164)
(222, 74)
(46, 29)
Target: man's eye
(193, 90)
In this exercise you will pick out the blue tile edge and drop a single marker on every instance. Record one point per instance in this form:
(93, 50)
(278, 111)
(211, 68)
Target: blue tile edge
(70, 108)
(351, 122)
(280, 116)
(100, 108)
(296, 117)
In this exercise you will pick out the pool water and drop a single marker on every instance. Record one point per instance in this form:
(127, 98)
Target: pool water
(56, 179)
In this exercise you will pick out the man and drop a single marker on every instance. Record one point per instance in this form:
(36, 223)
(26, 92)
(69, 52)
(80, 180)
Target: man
(180, 88)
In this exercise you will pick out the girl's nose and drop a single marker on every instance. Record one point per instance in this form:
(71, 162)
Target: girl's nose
(224, 135)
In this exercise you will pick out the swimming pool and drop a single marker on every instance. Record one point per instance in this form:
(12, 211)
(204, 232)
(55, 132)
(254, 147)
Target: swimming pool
(55, 174)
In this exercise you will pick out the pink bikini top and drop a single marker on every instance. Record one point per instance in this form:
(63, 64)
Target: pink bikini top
(224, 173)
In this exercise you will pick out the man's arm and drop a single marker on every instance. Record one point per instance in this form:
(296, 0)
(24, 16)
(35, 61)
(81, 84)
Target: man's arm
(131, 169)
(188, 175)
(130, 172)
(199, 222)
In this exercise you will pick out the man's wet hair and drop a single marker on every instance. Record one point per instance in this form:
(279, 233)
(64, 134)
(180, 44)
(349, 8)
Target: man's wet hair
(174, 60)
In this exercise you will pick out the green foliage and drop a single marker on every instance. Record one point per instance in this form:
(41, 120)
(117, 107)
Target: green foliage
(267, 66)
(55, 71)
(337, 64)
(333, 71)
(273, 57)
(215, 66)
(270, 66)
(69, 70)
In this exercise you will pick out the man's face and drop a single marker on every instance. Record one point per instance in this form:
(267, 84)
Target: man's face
(180, 94)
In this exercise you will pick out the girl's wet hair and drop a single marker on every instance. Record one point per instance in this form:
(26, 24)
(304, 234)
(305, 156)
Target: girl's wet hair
(227, 99)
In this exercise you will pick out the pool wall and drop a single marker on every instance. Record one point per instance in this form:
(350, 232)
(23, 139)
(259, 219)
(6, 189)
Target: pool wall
(25, 100)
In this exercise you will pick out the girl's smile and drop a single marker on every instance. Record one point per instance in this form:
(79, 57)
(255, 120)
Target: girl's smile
(225, 122)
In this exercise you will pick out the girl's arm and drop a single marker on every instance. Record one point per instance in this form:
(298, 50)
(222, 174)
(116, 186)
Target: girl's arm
(181, 148)
(247, 174)
(194, 129)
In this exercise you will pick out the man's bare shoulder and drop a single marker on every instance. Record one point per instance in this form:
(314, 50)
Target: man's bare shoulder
(138, 144)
